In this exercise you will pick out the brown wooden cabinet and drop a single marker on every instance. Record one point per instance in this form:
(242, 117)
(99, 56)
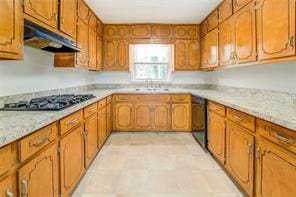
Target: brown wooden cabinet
(83, 11)
(181, 117)
(240, 156)
(116, 31)
(276, 170)
(244, 24)
(11, 34)
(83, 43)
(45, 12)
(212, 20)
(187, 55)
(225, 10)
(40, 177)
(204, 28)
(91, 138)
(212, 49)
(217, 136)
(161, 31)
(203, 53)
(276, 29)
(71, 159)
(238, 4)
(102, 123)
(226, 39)
(161, 117)
(92, 49)
(186, 32)
(140, 31)
(109, 116)
(8, 186)
(68, 17)
(124, 116)
(116, 54)
(143, 116)
(99, 52)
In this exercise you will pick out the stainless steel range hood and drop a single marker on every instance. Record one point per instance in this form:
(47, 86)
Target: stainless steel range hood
(41, 38)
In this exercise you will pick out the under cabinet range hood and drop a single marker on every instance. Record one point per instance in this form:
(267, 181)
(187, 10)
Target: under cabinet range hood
(41, 38)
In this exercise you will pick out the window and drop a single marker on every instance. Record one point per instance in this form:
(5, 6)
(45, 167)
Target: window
(151, 61)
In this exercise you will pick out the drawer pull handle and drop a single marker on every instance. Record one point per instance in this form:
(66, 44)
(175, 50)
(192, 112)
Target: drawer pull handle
(72, 122)
(283, 138)
(42, 140)
(24, 192)
(238, 118)
(9, 193)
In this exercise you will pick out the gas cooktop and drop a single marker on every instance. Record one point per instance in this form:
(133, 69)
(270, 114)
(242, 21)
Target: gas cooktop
(48, 103)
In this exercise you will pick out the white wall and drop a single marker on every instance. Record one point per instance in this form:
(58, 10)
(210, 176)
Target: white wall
(125, 78)
(36, 72)
(277, 77)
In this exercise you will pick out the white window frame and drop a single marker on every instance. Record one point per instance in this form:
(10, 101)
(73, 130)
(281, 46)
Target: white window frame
(170, 63)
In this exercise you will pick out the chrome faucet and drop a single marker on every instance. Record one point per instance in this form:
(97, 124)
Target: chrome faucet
(151, 82)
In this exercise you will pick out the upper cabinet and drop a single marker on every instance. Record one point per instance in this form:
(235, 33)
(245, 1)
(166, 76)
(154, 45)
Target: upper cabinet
(204, 28)
(238, 4)
(276, 28)
(83, 11)
(187, 55)
(212, 20)
(140, 31)
(225, 10)
(186, 31)
(67, 17)
(44, 12)
(116, 31)
(116, 54)
(162, 31)
(11, 33)
(212, 49)
(226, 38)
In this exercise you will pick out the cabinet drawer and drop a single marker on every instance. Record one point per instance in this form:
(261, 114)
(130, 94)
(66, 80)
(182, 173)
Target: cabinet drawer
(279, 135)
(181, 98)
(71, 121)
(241, 119)
(124, 98)
(35, 142)
(109, 99)
(91, 109)
(8, 155)
(158, 98)
(216, 107)
(102, 103)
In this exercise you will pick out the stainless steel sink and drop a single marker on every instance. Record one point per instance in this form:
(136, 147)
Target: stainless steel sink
(152, 89)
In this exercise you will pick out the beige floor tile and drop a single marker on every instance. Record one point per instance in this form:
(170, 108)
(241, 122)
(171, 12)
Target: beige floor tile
(160, 162)
(195, 150)
(180, 195)
(136, 162)
(205, 162)
(162, 181)
(111, 162)
(185, 162)
(133, 182)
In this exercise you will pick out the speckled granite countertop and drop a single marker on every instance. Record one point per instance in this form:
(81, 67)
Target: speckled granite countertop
(15, 125)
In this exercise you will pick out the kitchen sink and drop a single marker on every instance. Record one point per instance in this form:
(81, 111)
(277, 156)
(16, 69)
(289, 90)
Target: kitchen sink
(152, 89)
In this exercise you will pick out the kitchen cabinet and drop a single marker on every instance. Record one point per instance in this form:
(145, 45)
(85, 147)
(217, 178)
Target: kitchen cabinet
(116, 54)
(161, 31)
(276, 170)
(245, 35)
(83, 43)
(203, 53)
(143, 117)
(116, 31)
(187, 55)
(83, 11)
(212, 49)
(181, 117)
(204, 28)
(140, 31)
(217, 136)
(99, 52)
(238, 4)
(102, 123)
(92, 49)
(39, 177)
(276, 29)
(68, 16)
(240, 156)
(45, 13)
(124, 116)
(92, 21)
(91, 138)
(186, 32)
(99, 28)
(71, 159)
(212, 20)
(226, 38)
(8, 186)
(161, 117)
(11, 34)
(225, 10)
(109, 116)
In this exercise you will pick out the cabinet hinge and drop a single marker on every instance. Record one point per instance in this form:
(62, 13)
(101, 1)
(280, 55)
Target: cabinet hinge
(59, 149)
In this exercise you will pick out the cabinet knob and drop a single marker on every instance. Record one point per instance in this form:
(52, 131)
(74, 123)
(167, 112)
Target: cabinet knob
(9, 193)
(24, 192)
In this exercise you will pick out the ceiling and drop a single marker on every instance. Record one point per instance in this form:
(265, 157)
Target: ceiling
(152, 11)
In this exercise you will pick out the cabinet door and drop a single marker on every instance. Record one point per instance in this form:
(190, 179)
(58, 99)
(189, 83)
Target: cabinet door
(204, 28)
(45, 11)
(161, 120)
(8, 186)
(116, 31)
(102, 126)
(240, 156)
(109, 119)
(122, 55)
(276, 28)
(91, 138)
(99, 53)
(203, 54)
(245, 35)
(180, 54)
(226, 43)
(276, 171)
(11, 34)
(124, 116)
(162, 31)
(225, 10)
(109, 55)
(92, 51)
(83, 11)
(216, 136)
(143, 117)
(187, 56)
(140, 31)
(82, 42)
(71, 160)
(193, 55)
(68, 17)
(40, 177)
(213, 20)
(212, 48)
(92, 21)
(186, 32)
(238, 4)
(198, 117)
(181, 119)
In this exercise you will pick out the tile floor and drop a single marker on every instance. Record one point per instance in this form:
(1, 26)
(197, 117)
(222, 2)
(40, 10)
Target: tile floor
(154, 165)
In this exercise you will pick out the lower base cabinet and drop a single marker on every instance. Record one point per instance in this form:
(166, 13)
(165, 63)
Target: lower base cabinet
(276, 170)
(71, 159)
(91, 138)
(240, 156)
(181, 117)
(40, 177)
(8, 186)
(102, 126)
(109, 119)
